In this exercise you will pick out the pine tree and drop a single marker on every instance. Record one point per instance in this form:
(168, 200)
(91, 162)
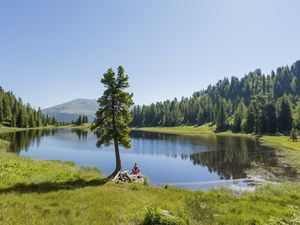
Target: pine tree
(250, 119)
(31, 121)
(261, 94)
(284, 115)
(13, 121)
(6, 110)
(259, 102)
(221, 118)
(271, 120)
(113, 115)
(176, 113)
(39, 119)
(239, 116)
(21, 118)
(294, 134)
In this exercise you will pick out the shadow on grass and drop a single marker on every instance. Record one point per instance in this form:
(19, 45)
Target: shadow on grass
(49, 187)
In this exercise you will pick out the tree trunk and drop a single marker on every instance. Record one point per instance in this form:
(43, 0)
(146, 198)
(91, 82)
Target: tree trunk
(117, 152)
(118, 160)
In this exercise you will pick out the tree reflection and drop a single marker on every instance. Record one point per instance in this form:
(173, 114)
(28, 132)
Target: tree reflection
(81, 133)
(229, 157)
(24, 139)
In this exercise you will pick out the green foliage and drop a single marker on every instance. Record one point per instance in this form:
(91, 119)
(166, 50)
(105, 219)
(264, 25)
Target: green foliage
(16, 171)
(81, 120)
(291, 218)
(155, 216)
(113, 115)
(14, 113)
(52, 192)
(256, 103)
(238, 117)
(285, 120)
(224, 207)
(221, 117)
(294, 134)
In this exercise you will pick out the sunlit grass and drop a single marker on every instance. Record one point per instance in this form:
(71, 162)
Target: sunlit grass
(53, 192)
(206, 129)
(181, 130)
(281, 141)
(5, 129)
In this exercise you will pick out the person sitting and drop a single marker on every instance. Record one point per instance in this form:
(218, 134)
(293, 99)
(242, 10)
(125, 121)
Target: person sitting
(135, 169)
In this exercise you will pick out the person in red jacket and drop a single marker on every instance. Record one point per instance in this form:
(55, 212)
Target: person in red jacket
(135, 169)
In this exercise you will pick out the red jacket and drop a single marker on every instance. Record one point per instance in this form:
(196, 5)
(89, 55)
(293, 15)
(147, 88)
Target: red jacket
(135, 170)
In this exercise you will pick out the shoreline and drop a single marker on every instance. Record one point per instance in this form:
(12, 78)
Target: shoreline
(282, 145)
(62, 190)
(266, 139)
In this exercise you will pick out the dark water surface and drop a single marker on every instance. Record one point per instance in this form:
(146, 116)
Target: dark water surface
(189, 162)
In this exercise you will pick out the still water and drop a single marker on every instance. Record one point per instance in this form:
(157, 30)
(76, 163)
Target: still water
(188, 162)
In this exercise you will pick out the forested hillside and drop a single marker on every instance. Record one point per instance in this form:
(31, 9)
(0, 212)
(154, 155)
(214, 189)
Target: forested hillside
(255, 103)
(14, 113)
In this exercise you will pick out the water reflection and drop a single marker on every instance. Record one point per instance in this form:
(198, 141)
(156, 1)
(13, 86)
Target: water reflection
(163, 157)
(229, 157)
(23, 140)
(81, 133)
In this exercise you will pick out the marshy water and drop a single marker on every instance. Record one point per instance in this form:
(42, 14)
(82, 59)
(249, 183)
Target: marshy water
(190, 162)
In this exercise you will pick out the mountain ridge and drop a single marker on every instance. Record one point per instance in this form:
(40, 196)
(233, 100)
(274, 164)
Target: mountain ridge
(71, 110)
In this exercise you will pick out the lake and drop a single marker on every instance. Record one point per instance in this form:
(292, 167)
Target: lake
(190, 162)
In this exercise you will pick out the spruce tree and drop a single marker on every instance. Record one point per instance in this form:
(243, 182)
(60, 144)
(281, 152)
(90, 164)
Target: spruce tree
(284, 115)
(21, 118)
(239, 115)
(271, 120)
(221, 117)
(113, 115)
(13, 121)
(250, 119)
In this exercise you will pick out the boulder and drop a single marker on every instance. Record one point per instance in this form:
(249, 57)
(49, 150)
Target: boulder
(127, 177)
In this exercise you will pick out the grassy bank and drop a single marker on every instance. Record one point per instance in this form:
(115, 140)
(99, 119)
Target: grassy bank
(4, 129)
(54, 192)
(83, 126)
(191, 131)
(276, 141)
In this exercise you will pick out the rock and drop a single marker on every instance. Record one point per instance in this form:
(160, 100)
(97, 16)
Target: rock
(166, 213)
(126, 177)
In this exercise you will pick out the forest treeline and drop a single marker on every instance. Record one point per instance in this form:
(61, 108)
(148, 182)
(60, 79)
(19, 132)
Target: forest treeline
(14, 113)
(256, 103)
(82, 119)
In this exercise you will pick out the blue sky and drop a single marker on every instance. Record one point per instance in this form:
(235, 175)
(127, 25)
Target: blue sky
(57, 50)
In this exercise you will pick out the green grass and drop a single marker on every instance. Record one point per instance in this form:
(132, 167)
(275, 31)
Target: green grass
(53, 192)
(281, 142)
(206, 129)
(290, 149)
(4, 129)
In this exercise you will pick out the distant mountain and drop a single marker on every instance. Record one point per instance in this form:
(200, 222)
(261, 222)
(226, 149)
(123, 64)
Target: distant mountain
(72, 110)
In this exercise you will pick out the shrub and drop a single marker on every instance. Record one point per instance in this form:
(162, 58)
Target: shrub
(292, 218)
(155, 216)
